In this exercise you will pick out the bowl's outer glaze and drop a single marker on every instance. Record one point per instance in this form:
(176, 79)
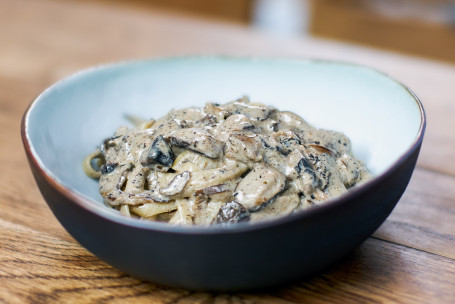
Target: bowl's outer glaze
(245, 257)
(252, 259)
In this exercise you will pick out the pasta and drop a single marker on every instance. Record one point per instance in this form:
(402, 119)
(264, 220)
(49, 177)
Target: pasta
(222, 164)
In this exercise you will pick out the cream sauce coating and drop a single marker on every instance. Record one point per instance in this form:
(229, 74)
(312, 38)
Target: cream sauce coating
(222, 164)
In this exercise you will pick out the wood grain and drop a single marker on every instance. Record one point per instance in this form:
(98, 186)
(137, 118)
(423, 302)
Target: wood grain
(409, 259)
(424, 217)
(41, 268)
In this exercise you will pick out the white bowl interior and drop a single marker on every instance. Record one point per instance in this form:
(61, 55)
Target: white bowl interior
(70, 119)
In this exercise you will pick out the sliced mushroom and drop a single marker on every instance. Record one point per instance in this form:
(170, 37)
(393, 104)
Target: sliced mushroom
(188, 115)
(348, 169)
(232, 212)
(192, 161)
(254, 111)
(292, 120)
(325, 167)
(337, 143)
(198, 140)
(306, 183)
(323, 149)
(297, 164)
(259, 187)
(212, 190)
(160, 154)
(284, 205)
(214, 110)
(243, 148)
(271, 156)
(208, 120)
(286, 141)
(177, 184)
(234, 123)
(207, 178)
(303, 165)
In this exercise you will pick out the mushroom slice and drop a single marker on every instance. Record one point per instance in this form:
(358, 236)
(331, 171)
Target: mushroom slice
(323, 149)
(308, 180)
(232, 212)
(207, 178)
(294, 164)
(286, 141)
(160, 153)
(241, 147)
(198, 140)
(301, 172)
(348, 169)
(215, 111)
(192, 161)
(284, 205)
(255, 111)
(259, 187)
(234, 123)
(212, 190)
(331, 142)
(177, 184)
(292, 120)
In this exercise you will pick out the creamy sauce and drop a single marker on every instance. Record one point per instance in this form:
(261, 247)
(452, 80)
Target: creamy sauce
(221, 164)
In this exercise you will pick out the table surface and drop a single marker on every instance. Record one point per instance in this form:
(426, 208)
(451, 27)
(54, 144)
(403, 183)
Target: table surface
(409, 259)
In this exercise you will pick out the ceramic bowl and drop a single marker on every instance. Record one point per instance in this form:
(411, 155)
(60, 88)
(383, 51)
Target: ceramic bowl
(383, 119)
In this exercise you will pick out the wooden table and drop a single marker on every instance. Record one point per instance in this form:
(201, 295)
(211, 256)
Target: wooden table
(410, 259)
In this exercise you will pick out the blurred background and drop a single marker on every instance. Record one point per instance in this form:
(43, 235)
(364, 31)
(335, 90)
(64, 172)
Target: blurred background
(420, 27)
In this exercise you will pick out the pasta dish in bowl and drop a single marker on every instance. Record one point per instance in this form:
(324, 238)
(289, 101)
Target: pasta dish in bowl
(243, 159)
(221, 164)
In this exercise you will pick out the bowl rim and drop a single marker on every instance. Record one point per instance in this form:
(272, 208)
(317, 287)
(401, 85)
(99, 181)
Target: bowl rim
(110, 215)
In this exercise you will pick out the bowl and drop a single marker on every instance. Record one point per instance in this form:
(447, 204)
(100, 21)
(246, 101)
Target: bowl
(384, 120)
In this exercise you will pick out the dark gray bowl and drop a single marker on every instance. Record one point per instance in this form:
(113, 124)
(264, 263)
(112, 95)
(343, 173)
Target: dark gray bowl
(384, 120)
